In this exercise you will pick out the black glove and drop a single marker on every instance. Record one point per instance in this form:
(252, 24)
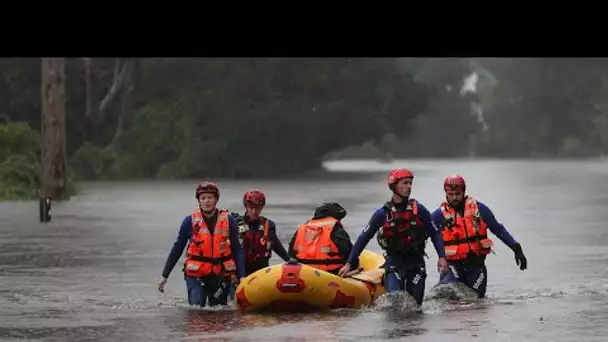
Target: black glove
(520, 258)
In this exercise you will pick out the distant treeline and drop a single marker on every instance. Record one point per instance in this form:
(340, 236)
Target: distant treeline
(533, 107)
(173, 118)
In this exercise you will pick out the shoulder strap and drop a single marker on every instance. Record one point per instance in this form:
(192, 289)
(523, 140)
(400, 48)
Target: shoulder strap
(448, 216)
(389, 208)
(266, 225)
(445, 208)
(197, 220)
(472, 205)
(414, 205)
(471, 201)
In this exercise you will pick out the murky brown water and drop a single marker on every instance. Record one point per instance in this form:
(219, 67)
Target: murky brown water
(90, 274)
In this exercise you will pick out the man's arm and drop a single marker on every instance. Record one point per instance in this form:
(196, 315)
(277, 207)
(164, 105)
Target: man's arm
(437, 220)
(290, 249)
(235, 246)
(184, 233)
(431, 230)
(501, 232)
(375, 222)
(496, 227)
(277, 246)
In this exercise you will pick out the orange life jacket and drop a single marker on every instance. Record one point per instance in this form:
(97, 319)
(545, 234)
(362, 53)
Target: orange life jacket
(257, 244)
(462, 235)
(209, 254)
(314, 247)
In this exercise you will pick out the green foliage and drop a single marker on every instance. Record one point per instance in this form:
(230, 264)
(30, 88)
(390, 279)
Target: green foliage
(18, 138)
(544, 107)
(155, 138)
(255, 118)
(534, 107)
(572, 147)
(19, 177)
(92, 162)
(20, 162)
(270, 117)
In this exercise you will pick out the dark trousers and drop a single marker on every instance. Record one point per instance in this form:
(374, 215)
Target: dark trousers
(474, 276)
(209, 290)
(405, 273)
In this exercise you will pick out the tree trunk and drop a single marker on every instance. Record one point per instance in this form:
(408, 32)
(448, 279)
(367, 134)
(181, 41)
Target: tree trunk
(117, 83)
(54, 158)
(126, 109)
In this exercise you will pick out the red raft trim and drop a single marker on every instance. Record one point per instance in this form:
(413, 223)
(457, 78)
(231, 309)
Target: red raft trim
(241, 300)
(342, 301)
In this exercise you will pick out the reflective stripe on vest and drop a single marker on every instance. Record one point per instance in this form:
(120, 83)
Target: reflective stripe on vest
(314, 247)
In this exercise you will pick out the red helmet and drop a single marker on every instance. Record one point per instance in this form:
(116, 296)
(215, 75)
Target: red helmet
(454, 182)
(395, 175)
(207, 187)
(255, 197)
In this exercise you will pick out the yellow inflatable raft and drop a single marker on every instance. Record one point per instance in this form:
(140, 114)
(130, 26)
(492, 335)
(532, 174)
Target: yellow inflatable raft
(298, 287)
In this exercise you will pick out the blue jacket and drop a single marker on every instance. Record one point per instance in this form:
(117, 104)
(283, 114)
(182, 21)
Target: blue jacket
(488, 217)
(184, 235)
(377, 221)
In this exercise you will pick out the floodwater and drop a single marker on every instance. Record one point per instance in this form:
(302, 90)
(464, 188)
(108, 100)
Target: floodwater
(90, 274)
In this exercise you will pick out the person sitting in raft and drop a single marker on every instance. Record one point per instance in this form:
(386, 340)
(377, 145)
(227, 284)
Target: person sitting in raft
(322, 242)
(258, 234)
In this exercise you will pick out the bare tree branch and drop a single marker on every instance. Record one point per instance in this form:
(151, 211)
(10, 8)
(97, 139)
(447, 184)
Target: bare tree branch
(125, 116)
(119, 73)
